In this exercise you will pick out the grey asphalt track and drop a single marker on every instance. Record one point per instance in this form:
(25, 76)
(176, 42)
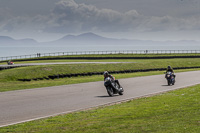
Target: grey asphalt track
(60, 63)
(31, 104)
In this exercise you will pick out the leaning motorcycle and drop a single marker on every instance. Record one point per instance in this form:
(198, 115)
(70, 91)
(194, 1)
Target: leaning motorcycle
(112, 87)
(170, 78)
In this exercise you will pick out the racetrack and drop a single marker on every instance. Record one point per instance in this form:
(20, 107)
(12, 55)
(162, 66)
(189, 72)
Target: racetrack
(25, 105)
(60, 63)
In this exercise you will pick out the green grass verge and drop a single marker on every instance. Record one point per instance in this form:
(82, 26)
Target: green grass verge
(46, 70)
(9, 78)
(175, 111)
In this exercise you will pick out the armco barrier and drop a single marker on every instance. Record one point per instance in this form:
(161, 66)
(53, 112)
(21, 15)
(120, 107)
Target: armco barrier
(52, 77)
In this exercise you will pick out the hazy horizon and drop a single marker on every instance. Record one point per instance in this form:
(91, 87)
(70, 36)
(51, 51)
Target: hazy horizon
(88, 42)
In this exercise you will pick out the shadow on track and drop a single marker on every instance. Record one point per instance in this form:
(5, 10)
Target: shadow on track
(106, 96)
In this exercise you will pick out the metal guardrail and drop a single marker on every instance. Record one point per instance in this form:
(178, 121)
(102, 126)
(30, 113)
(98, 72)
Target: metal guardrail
(99, 53)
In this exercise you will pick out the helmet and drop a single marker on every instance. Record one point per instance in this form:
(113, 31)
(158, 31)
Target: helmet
(168, 67)
(105, 73)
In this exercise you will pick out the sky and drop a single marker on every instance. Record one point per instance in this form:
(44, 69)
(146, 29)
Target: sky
(46, 20)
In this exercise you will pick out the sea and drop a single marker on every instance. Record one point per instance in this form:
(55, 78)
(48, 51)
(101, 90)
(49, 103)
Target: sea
(6, 51)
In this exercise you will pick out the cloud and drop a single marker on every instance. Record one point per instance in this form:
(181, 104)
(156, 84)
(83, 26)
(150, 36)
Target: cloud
(4, 16)
(68, 16)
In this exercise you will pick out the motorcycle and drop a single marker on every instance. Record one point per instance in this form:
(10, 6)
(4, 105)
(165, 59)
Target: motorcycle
(170, 78)
(112, 87)
(10, 63)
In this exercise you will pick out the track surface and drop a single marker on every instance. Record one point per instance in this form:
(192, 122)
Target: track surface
(25, 105)
(60, 63)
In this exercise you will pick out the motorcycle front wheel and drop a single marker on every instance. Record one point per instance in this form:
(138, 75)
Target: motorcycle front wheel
(169, 82)
(173, 82)
(121, 92)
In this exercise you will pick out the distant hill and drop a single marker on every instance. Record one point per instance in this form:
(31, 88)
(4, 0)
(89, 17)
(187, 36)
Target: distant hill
(86, 36)
(94, 39)
(27, 41)
(5, 40)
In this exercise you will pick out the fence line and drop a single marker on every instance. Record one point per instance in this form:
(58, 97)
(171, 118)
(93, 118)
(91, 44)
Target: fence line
(100, 53)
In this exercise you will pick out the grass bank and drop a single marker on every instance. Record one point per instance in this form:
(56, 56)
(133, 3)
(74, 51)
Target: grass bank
(9, 78)
(46, 70)
(174, 111)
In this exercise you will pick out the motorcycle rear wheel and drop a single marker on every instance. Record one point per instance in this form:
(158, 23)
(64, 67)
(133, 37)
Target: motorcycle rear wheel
(110, 91)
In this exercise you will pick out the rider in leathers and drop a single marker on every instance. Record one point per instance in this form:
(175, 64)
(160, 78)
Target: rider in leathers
(170, 69)
(106, 74)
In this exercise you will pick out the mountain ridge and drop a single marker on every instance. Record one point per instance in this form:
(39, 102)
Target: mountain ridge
(87, 38)
(10, 40)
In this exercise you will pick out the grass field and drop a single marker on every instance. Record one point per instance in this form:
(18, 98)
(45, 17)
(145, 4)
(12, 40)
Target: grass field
(172, 112)
(9, 78)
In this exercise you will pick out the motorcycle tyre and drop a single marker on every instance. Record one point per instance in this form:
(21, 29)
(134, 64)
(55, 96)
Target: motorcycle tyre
(173, 82)
(110, 91)
(169, 83)
(121, 92)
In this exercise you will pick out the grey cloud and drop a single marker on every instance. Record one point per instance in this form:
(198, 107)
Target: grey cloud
(15, 24)
(8, 27)
(87, 17)
(4, 15)
(175, 8)
(69, 16)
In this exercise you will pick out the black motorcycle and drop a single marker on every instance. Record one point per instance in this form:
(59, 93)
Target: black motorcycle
(170, 78)
(112, 87)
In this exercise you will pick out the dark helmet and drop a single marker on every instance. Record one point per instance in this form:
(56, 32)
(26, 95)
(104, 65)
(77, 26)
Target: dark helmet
(169, 67)
(105, 73)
